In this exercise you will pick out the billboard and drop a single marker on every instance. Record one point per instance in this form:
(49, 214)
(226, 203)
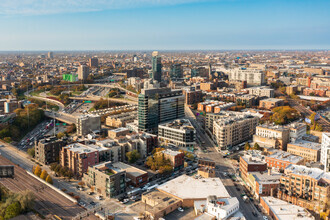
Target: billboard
(6, 171)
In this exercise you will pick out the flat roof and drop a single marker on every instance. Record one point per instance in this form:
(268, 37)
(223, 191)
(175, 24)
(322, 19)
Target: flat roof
(186, 187)
(129, 169)
(272, 100)
(286, 211)
(306, 144)
(315, 173)
(171, 152)
(285, 156)
(81, 148)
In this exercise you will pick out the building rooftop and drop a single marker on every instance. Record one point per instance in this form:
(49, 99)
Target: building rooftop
(81, 148)
(315, 173)
(286, 211)
(266, 177)
(271, 100)
(171, 152)
(117, 130)
(180, 124)
(307, 144)
(186, 187)
(285, 156)
(129, 169)
(228, 117)
(253, 157)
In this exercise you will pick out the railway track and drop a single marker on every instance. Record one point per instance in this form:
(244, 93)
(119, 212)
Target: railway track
(48, 202)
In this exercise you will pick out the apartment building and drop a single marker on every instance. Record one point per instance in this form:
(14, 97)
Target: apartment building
(311, 151)
(192, 96)
(251, 75)
(233, 128)
(252, 161)
(207, 86)
(270, 103)
(107, 180)
(87, 124)
(274, 136)
(279, 160)
(246, 100)
(175, 157)
(297, 131)
(115, 133)
(78, 157)
(214, 106)
(47, 150)
(120, 120)
(83, 72)
(263, 183)
(262, 91)
(179, 132)
(137, 177)
(305, 187)
(325, 151)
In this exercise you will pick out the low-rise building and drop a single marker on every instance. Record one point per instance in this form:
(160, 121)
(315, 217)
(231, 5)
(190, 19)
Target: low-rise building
(120, 120)
(281, 210)
(309, 150)
(107, 180)
(233, 128)
(305, 187)
(192, 96)
(175, 157)
(246, 100)
(78, 157)
(114, 133)
(206, 168)
(47, 150)
(179, 132)
(252, 161)
(262, 91)
(279, 160)
(87, 124)
(270, 103)
(272, 136)
(136, 176)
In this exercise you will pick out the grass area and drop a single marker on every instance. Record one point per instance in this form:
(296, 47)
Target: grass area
(77, 92)
(91, 109)
(35, 93)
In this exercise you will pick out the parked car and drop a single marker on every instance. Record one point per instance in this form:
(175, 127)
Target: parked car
(265, 217)
(180, 209)
(254, 214)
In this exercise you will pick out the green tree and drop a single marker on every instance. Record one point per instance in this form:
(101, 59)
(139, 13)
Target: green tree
(133, 156)
(31, 151)
(43, 175)
(13, 210)
(37, 171)
(49, 179)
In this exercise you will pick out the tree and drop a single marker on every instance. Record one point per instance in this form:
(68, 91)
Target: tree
(31, 151)
(133, 156)
(49, 179)
(256, 146)
(37, 171)
(60, 135)
(43, 175)
(53, 166)
(13, 210)
(247, 146)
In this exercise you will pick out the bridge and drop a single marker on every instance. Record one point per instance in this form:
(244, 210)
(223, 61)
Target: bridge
(66, 118)
(95, 99)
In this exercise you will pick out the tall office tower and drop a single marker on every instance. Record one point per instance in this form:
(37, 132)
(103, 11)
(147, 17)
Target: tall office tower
(325, 151)
(50, 55)
(83, 72)
(158, 105)
(134, 59)
(156, 66)
(93, 62)
(176, 71)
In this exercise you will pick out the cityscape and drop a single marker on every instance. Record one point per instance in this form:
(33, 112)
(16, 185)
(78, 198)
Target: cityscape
(119, 122)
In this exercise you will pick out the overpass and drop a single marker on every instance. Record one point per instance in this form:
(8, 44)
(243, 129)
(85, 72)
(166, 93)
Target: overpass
(95, 99)
(66, 118)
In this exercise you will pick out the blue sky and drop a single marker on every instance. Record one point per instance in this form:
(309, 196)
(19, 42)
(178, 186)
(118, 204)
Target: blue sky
(164, 24)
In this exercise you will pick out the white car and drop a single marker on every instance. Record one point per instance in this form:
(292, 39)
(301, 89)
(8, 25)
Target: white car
(180, 209)
(265, 217)
(98, 197)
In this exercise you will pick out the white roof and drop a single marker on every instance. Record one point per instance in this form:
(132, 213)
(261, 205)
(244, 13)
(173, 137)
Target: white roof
(186, 187)
(286, 211)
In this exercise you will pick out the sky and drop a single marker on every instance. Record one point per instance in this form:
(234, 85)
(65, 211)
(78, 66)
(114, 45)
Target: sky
(57, 25)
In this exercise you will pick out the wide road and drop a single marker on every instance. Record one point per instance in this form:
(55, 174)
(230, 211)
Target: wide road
(224, 165)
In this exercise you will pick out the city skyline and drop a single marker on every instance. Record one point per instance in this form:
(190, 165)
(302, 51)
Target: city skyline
(33, 25)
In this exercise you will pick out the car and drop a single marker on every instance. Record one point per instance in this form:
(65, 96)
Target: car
(238, 189)
(98, 197)
(180, 209)
(125, 201)
(254, 213)
(265, 217)
(92, 203)
(90, 193)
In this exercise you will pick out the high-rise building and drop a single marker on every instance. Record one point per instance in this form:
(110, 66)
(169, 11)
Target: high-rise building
(158, 105)
(83, 72)
(176, 71)
(50, 55)
(93, 62)
(87, 124)
(250, 75)
(325, 151)
(156, 66)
